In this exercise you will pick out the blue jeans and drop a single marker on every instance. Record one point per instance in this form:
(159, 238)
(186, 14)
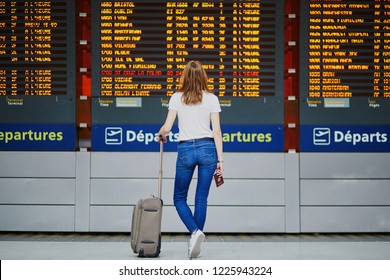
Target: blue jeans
(200, 153)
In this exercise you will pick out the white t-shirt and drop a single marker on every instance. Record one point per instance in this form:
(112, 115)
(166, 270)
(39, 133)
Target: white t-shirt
(194, 120)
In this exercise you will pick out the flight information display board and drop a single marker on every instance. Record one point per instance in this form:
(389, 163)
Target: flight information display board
(37, 73)
(345, 72)
(34, 47)
(139, 49)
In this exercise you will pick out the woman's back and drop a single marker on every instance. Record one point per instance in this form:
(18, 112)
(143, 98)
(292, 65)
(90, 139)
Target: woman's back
(194, 119)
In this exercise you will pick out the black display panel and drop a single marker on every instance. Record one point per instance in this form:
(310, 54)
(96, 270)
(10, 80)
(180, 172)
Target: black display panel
(139, 49)
(345, 62)
(37, 61)
(344, 76)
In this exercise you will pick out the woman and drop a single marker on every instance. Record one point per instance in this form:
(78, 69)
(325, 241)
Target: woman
(199, 146)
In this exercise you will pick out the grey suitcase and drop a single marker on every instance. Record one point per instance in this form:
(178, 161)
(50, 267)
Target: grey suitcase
(146, 222)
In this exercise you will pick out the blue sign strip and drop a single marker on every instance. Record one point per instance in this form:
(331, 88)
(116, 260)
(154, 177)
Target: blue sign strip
(37, 137)
(236, 138)
(346, 138)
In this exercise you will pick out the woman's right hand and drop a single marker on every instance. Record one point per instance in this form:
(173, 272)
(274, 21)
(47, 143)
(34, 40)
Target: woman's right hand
(219, 169)
(162, 138)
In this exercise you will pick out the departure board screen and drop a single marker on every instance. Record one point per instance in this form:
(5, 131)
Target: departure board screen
(33, 48)
(37, 61)
(345, 59)
(37, 75)
(141, 47)
(349, 49)
(344, 75)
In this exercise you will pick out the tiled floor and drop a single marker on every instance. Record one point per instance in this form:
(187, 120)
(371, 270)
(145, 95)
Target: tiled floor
(116, 246)
(211, 237)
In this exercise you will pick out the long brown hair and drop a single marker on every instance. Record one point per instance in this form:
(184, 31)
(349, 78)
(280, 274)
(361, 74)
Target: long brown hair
(192, 82)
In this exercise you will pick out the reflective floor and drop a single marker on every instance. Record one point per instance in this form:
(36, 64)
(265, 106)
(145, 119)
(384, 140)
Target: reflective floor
(87, 246)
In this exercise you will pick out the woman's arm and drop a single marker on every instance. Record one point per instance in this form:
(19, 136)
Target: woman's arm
(216, 126)
(167, 126)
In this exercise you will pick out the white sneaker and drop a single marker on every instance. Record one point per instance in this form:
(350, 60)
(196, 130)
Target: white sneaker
(195, 243)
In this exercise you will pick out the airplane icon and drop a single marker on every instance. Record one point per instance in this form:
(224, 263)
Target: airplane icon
(113, 135)
(321, 136)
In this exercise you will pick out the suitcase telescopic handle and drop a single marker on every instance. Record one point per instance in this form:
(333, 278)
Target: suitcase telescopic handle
(160, 173)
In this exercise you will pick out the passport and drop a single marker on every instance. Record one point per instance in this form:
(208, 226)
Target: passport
(218, 179)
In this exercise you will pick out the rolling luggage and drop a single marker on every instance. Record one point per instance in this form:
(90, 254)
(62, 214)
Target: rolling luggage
(146, 221)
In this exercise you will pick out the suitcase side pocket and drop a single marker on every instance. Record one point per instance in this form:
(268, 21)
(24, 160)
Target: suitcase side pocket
(135, 225)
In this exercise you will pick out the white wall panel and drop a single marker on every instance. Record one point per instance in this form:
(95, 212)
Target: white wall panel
(345, 192)
(145, 165)
(345, 219)
(37, 191)
(344, 165)
(82, 197)
(130, 165)
(263, 192)
(292, 205)
(233, 192)
(37, 164)
(219, 219)
(36, 218)
(122, 191)
(254, 165)
(246, 219)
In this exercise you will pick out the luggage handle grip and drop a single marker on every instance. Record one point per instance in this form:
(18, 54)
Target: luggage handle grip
(160, 173)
